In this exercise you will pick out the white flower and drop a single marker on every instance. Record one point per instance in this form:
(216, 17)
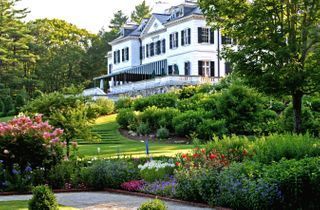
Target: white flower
(155, 165)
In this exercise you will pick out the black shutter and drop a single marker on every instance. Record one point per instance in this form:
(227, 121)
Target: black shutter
(163, 46)
(212, 74)
(171, 40)
(182, 38)
(127, 51)
(141, 53)
(211, 36)
(118, 56)
(151, 49)
(158, 47)
(200, 64)
(177, 39)
(189, 36)
(199, 35)
(147, 50)
(122, 54)
(115, 57)
(170, 70)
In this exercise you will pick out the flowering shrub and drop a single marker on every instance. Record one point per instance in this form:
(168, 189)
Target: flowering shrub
(132, 186)
(30, 142)
(163, 188)
(156, 170)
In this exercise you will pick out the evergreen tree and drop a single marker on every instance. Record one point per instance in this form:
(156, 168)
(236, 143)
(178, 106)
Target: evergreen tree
(118, 21)
(141, 11)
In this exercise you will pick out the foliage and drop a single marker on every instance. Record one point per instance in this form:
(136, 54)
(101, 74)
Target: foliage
(276, 147)
(160, 101)
(118, 20)
(141, 12)
(155, 204)
(61, 174)
(164, 188)
(126, 117)
(162, 133)
(104, 106)
(209, 128)
(123, 103)
(278, 44)
(41, 140)
(43, 199)
(133, 186)
(156, 170)
(110, 174)
(143, 129)
(196, 184)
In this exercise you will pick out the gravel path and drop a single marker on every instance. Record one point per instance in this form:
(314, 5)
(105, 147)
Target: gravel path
(103, 200)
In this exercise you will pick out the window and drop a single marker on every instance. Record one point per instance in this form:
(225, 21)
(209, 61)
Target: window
(163, 46)
(174, 43)
(115, 57)
(118, 56)
(126, 53)
(158, 48)
(186, 37)
(151, 49)
(170, 70)
(123, 56)
(187, 68)
(226, 40)
(206, 68)
(110, 68)
(205, 35)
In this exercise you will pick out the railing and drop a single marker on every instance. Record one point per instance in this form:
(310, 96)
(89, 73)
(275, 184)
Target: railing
(162, 82)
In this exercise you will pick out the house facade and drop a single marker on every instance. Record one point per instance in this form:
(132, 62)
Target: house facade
(172, 49)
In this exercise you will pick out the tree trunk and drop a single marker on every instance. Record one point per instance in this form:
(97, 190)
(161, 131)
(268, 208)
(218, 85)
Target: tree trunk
(297, 111)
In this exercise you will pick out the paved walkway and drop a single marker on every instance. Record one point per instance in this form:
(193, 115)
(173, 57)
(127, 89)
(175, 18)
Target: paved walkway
(103, 200)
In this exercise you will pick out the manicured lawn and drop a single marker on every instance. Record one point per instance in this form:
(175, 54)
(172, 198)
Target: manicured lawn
(114, 144)
(23, 205)
(5, 119)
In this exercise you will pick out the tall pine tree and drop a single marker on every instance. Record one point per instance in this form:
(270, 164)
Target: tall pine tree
(141, 11)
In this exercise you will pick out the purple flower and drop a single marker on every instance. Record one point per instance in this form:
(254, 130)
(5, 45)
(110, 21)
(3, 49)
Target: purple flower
(28, 169)
(15, 172)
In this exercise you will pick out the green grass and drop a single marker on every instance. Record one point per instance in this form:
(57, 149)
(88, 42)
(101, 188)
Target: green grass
(6, 119)
(23, 205)
(114, 144)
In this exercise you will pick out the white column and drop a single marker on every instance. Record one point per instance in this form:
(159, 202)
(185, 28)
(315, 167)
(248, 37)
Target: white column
(101, 84)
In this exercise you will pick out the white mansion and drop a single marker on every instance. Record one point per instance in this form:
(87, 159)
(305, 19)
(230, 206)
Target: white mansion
(167, 50)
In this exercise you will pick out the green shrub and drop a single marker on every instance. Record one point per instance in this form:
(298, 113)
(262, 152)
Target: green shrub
(276, 147)
(2, 108)
(61, 174)
(43, 199)
(124, 103)
(143, 129)
(315, 104)
(240, 107)
(110, 174)
(104, 106)
(126, 117)
(155, 204)
(209, 128)
(163, 133)
(8, 105)
(188, 92)
(20, 101)
(160, 101)
(197, 185)
(186, 123)
(277, 106)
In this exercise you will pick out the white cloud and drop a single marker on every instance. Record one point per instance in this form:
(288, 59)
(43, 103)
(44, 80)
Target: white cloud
(89, 14)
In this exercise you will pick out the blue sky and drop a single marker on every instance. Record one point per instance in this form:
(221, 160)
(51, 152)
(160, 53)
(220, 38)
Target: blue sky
(89, 14)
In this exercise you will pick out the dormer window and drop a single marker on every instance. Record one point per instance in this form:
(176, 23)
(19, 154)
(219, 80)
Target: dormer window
(176, 13)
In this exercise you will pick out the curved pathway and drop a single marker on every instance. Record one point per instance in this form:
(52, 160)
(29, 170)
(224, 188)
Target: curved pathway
(103, 200)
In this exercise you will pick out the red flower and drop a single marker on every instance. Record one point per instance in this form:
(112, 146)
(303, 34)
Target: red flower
(184, 155)
(245, 152)
(178, 163)
(213, 156)
(196, 155)
(203, 151)
(222, 156)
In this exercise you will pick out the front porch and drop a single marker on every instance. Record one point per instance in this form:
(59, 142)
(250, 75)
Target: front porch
(160, 84)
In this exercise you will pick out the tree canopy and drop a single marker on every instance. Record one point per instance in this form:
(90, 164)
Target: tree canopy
(278, 44)
(141, 12)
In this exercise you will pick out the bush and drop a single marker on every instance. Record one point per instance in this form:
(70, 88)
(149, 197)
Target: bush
(37, 144)
(166, 188)
(133, 186)
(104, 106)
(61, 174)
(8, 105)
(156, 170)
(187, 123)
(124, 103)
(160, 101)
(143, 129)
(276, 147)
(126, 117)
(155, 204)
(159, 117)
(241, 108)
(209, 128)
(111, 174)
(298, 181)
(43, 199)
(197, 185)
(163, 133)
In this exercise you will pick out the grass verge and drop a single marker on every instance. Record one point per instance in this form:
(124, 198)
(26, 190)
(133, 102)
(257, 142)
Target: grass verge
(23, 205)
